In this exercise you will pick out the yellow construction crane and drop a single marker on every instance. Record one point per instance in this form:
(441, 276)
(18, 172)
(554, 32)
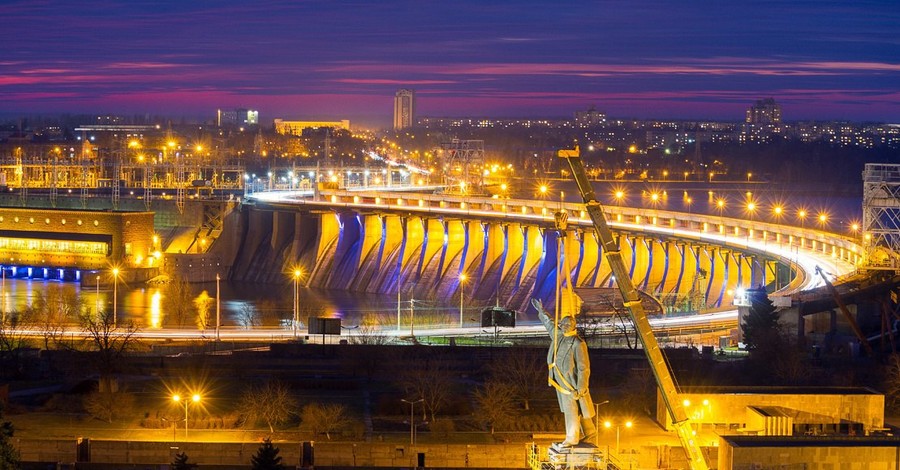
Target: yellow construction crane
(658, 365)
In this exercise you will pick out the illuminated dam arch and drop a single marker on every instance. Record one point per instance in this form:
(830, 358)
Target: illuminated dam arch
(420, 245)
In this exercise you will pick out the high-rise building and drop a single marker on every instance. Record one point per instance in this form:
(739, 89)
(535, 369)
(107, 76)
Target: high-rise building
(237, 117)
(590, 118)
(766, 112)
(763, 122)
(404, 109)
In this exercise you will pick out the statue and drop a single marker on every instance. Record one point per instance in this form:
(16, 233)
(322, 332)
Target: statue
(569, 371)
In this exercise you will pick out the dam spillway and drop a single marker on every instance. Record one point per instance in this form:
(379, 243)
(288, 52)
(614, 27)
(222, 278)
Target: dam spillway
(421, 245)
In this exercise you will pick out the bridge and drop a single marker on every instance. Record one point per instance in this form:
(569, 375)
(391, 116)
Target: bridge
(505, 250)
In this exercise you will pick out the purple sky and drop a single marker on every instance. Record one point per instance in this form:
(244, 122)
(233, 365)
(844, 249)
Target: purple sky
(345, 59)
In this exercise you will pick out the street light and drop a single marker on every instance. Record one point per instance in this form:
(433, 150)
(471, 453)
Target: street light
(115, 273)
(412, 426)
(609, 424)
(597, 419)
(98, 295)
(218, 307)
(297, 274)
(462, 280)
(177, 399)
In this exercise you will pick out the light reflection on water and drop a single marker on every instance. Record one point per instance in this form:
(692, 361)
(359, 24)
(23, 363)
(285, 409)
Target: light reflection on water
(242, 305)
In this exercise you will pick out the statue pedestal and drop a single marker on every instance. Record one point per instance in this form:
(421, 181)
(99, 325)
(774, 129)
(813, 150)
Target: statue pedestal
(580, 456)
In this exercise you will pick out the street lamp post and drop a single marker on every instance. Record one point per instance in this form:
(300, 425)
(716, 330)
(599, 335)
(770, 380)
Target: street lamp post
(178, 399)
(98, 295)
(462, 280)
(218, 307)
(297, 274)
(597, 419)
(608, 424)
(412, 426)
(115, 273)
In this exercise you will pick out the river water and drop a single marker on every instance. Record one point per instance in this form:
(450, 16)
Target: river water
(242, 305)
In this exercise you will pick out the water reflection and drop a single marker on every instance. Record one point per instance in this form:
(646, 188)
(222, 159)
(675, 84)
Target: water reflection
(242, 305)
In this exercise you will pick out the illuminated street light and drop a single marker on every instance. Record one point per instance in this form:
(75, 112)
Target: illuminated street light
(462, 280)
(609, 424)
(720, 205)
(115, 273)
(823, 219)
(195, 398)
(297, 273)
(597, 424)
(218, 307)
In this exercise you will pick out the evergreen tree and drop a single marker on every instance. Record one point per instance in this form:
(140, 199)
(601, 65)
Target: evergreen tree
(760, 326)
(181, 462)
(266, 457)
(9, 455)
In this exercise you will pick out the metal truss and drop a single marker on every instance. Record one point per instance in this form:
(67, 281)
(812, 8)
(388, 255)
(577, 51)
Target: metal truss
(881, 216)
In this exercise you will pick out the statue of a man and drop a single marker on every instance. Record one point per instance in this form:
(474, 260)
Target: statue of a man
(569, 372)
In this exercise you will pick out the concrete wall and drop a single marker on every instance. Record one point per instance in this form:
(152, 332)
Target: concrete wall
(326, 453)
(809, 454)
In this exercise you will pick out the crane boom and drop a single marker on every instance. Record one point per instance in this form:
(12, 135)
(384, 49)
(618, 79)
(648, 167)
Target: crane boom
(843, 307)
(660, 369)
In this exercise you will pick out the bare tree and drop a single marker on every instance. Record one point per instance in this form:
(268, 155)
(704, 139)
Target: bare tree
(523, 369)
(109, 340)
(324, 418)
(202, 305)
(427, 378)
(371, 330)
(178, 301)
(52, 309)
(495, 404)
(109, 405)
(272, 402)
(247, 316)
(12, 340)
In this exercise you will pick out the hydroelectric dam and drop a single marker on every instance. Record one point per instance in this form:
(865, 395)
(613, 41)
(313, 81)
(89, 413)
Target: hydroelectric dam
(505, 251)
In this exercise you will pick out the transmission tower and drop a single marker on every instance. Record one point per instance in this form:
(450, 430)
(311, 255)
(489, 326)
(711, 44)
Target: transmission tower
(148, 193)
(179, 182)
(115, 180)
(881, 216)
(23, 193)
(463, 166)
(85, 151)
(54, 191)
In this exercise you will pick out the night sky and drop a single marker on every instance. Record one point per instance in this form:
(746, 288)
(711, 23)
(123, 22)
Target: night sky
(491, 58)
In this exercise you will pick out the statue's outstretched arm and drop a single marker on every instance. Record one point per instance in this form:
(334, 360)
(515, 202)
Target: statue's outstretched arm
(543, 316)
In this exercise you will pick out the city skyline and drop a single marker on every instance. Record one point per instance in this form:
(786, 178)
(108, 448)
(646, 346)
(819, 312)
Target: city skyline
(703, 60)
